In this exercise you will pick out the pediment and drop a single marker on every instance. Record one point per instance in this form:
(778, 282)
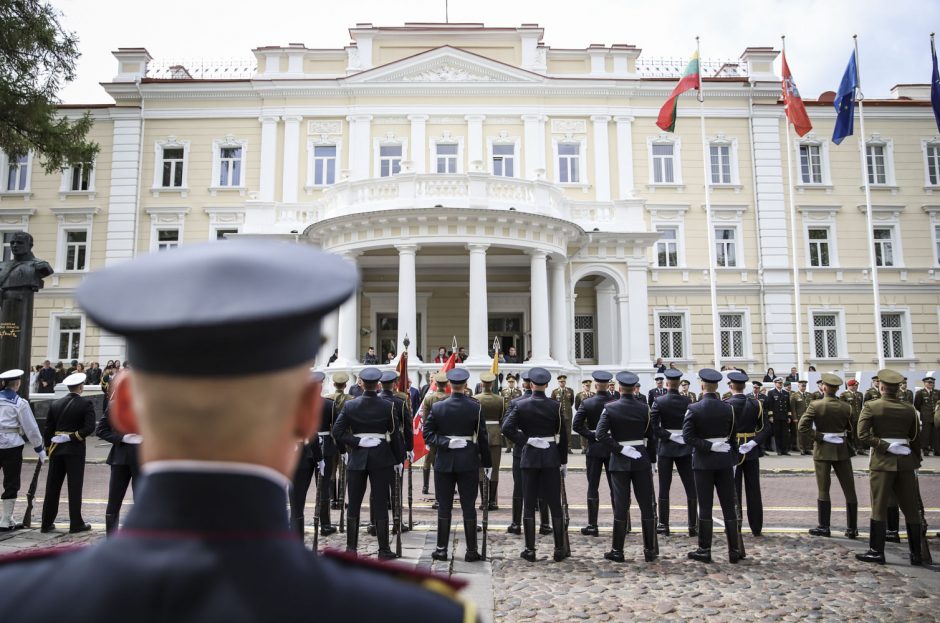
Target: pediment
(444, 65)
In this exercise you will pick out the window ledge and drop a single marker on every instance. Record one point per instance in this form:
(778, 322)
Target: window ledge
(214, 190)
(907, 360)
(734, 187)
(929, 189)
(888, 187)
(832, 360)
(309, 188)
(654, 186)
(91, 194)
(71, 272)
(156, 190)
(25, 195)
(750, 360)
(804, 187)
(583, 186)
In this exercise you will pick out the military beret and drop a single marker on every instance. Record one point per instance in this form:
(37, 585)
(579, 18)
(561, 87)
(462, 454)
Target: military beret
(562, 377)
(389, 376)
(787, 383)
(440, 377)
(317, 377)
(239, 308)
(77, 378)
(602, 376)
(340, 378)
(852, 382)
(458, 375)
(672, 374)
(540, 376)
(737, 377)
(627, 378)
(709, 375)
(11, 375)
(370, 375)
(757, 384)
(890, 376)
(487, 377)
(831, 379)
(926, 378)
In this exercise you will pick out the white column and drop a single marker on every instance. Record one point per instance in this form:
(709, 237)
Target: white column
(541, 347)
(479, 327)
(638, 327)
(625, 180)
(360, 135)
(561, 323)
(606, 322)
(268, 156)
(328, 329)
(623, 333)
(601, 158)
(534, 138)
(474, 141)
(407, 286)
(418, 155)
(291, 163)
(347, 330)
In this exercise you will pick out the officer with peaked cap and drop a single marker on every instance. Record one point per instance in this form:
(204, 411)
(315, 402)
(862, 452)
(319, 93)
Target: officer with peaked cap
(16, 420)
(123, 460)
(751, 432)
(626, 429)
(684, 390)
(509, 394)
(71, 419)
(778, 409)
(493, 411)
(829, 421)
(515, 525)
(657, 391)
(405, 431)
(565, 397)
(598, 455)
(668, 412)
(536, 426)
(926, 401)
(439, 393)
(709, 428)
(854, 399)
(339, 397)
(206, 326)
(310, 462)
(457, 428)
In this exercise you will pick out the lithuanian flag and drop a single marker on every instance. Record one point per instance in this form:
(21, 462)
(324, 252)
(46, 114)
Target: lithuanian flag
(691, 79)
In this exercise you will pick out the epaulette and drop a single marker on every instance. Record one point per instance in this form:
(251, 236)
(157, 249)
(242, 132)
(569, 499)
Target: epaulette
(446, 586)
(38, 553)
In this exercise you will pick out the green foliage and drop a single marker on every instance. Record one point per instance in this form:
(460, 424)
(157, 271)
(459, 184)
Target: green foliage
(37, 57)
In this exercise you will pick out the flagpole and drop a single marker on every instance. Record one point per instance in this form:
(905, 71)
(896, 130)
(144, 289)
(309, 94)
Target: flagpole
(871, 232)
(708, 214)
(798, 325)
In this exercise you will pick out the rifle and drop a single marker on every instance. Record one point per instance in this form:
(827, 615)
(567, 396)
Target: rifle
(564, 507)
(924, 547)
(342, 494)
(397, 512)
(316, 510)
(411, 523)
(655, 518)
(30, 496)
(738, 511)
(486, 513)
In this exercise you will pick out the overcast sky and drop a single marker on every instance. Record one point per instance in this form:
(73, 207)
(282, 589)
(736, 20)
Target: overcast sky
(893, 35)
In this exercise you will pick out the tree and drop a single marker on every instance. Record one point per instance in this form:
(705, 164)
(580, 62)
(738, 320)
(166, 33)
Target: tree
(37, 57)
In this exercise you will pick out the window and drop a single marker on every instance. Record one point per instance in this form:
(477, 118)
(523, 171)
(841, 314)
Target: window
(324, 165)
(230, 166)
(811, 164)
(725, 247)
(446, 157)
(664, 163)
(584, 337)
(167, 239)
(69, 337)
(223, 234)
(569, 163)
(76, 249)
(173, 160)
(825, 336)
(818, 246)
(389, 160)
(892, 335)
(667, 247)
(18, 174)
(731, 326)
(876, 162)
(932, 153)
(884, 246)
(936, 241)
(504, 160)
(720, 163)
(671, 332)
(80, 174)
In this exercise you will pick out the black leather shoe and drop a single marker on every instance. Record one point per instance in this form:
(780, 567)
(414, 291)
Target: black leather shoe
(892, 536)
(701, 555)
(439, 554)
(82, 528)
(386, 554)
(49, 528)
(514, 528)
(528, 554)
(586, 531)
(327, 530)
(545, 528)
(614, 556)
(370, 529)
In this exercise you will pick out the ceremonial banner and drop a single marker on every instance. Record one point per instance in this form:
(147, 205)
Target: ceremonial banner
(691, 79)
(793, 103)
(845, 103)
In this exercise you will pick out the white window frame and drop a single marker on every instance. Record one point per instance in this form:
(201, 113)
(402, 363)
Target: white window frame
(5, 169)
(732, 145)
(745, 315)
(810, 243)
(446, 139)
(906, 334)
(55, 317)
(665, 215)
(224, 218)
(171, 142)
(925, 145)
(895, 244)
(312, 144)
(173, 217)
(156, 243)
(841, 340)
(11, 226)
(888, 145)
(820, 217)
(676, 143)
(514, 142)
(218, 145)
(686, 337)
(386, 141)
(677, 241)
(577, 332)
(812, 140)
(738, 246)
(65, 185)
(73, 219)
(581, 142)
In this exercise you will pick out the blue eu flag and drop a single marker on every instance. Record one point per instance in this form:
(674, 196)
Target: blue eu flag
(845, 103)
(935, 86)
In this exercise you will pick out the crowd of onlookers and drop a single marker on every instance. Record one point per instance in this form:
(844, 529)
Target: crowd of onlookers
(44, 377)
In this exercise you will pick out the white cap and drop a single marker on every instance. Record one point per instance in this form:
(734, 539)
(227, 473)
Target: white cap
(11, 375)
(75, 379)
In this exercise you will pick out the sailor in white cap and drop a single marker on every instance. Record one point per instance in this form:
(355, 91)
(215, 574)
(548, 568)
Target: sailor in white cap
(71, 419)
(16, 420)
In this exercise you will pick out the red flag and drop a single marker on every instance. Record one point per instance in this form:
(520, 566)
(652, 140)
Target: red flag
(793, 103)
(691, 79)
(417, 426)
(402, 369)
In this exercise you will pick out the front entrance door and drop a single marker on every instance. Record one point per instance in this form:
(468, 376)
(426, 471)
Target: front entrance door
(508, 328)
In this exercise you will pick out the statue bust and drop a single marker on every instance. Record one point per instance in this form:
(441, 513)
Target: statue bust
(25, 271)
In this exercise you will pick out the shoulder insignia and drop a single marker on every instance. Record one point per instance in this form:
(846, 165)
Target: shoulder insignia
(39, 553)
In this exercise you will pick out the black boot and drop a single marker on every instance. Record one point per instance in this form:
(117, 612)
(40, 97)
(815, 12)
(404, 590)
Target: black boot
(425, 475)
(593, 505)
(514, 527)
(528, 528)
(693, 517)
(381, 532)
(470, 533)
(296, 526)
(558, 528)
(111, 524)
(731, 530)
(894, 525)
(326, 527)
(629, 521)
(649, 540)
(704, 551)
(663, 526)
(443, 538)
(914, 537)
(823, 511)
(352, 534)
(545, 527)
(851, 520)
(876, 544)
(616, 551)
(493, 493)
(483, 500)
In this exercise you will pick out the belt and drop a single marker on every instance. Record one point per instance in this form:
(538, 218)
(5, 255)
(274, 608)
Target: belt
(324, 433)
(673, 432)
(472, 438)
(901, 441)
(9, 430)
(746, 436)
(633, 442)
(384, 436)
(553, 439)
(716, 439)
(842, 434)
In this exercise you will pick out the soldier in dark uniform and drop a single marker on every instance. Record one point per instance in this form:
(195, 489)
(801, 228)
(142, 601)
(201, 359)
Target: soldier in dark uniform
(339, 397)
(709, 428)
(405, 431)
(309, 462)
(515, 525)
(208, 538)
(598, 455)
(832, 419)
(493, 412)
(751, 430)
(668, 413)
(535, 425)
(565, 397)
(457, 428)
(778, 408)
(626, 428)
(125, 468)
(368, 428)
(853, 398)
(657, 391)
(799, 401)
(890, 428)
(71, 419)
(440, 380)
(509, 394)
(614, 394)
(926, 401)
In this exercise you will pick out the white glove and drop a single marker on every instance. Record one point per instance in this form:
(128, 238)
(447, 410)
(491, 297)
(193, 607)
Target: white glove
(345, 457)
(744, 448)
(369, 442)
(830, 438)
(321, 467)
(630, 452)
(132, 439)
(399, 468)
(42, 457)
(536, 442)
(677, 438)
(721, 446)
(456, 444)
(61, 439)
(488, 472)
(899, 448)
(564, 470)
(411, 456)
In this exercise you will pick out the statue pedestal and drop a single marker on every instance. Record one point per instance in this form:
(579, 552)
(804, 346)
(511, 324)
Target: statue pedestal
(16, 330)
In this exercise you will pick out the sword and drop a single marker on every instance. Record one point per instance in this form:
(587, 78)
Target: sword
(564, 506)
(316, 511)
(397, 514)
(486, 513)
(924, 546)
(655, 517)
(411, 523)
(30, 496)
(342, 494)
(738, 510)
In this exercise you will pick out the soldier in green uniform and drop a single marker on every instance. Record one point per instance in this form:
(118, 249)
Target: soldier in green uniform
(581, 396)
(926, 401)
(853, 398)
(872, 393)
(799, 402)
(833, 420)
(904, 394)
(339, 397)
(565, 397)
(890, 428)
(509, 394)
(684, 390)
(424, 411)
(493, 410)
